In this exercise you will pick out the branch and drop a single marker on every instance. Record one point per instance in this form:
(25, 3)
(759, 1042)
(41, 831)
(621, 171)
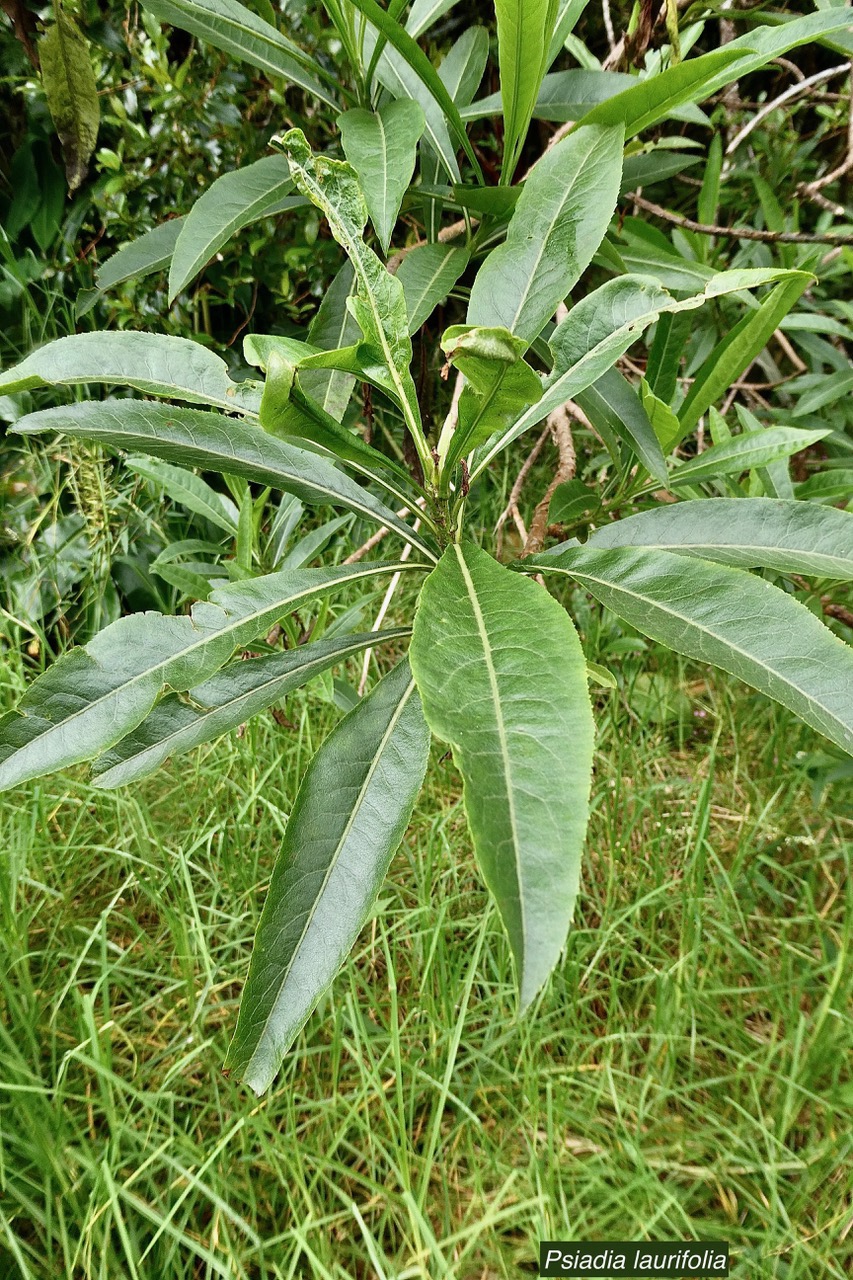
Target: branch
(741, 233)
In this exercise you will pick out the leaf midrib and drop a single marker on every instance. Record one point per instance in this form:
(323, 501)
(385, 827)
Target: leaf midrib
(333, 862)
(667, 609)
(184, 653)
(502, 737)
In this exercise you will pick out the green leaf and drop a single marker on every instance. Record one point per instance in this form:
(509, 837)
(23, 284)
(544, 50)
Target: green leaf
(232, 202)
(422, 68)
(232, 27)
(749, 533)
(558, 223)
(739, 348)
(381, 146)
(503, 679)
(222, 703)
(93, 696)
(563, 95)
(568, 14)
(150, 252)
(189, 490)
(665, 353)
(424, 13)
(213, 442)
(380, 307)
(613, 405)
(525, 28)
(599, 329)
(498, 385)
(427, 274)
(287, 412)
(72, 94)
(333, 327)
(726, 617)
(828, 391)
(333, 860)
(743, 452)
(656, 97)
(570, 501)
(154, 363)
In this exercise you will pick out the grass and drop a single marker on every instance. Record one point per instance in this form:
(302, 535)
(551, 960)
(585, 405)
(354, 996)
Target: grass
(686, 1073)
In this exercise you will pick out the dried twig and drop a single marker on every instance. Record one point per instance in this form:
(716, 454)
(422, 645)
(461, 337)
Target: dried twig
(741, 233)
(559, 424)
(793, 91)
(511, 508)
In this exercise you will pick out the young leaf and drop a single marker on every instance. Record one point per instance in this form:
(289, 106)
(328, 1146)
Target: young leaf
(558, 223)
(726, 617)
(234, 29)
(499, 384)
(422, 68)
(232, 202)
(333, 860)
(600, 328)
(525, 28)
(739, 348)
(381, 146)
(190, 490)
(753, 533)
(424, 13)
(427, 274)
(665, 353)
(503, 679)
(613, 405)
(153, 363)
(743, 452)
(222, 703)
(333, 327)
(93, 696)
(656, 97)
(72, 94)
(563, 95)
(213, 442)
(150, 252)
(380, 307)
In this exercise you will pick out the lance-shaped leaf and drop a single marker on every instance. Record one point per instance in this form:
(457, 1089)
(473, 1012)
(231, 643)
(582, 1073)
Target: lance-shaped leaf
(380, 307)
(411, 54)
(348, 819)
(559, 221)
(750, 533)
(212, 442)
(563, 96)
(743, 452)
(333, 327)
(424, 13)
(93, 696)
(656, 97)
(235, 694)
(232, 27)
(382, 148)
(498, 385)
(190, 490)
(154, 363)
(568, 14)
(599, 329)
(503, 679)
(525, 28)
(287, 411)
(739, 348)
(728, 618)
(427, 274)
(230, 203)
(150, 252)
(72, 94)
(616, 411)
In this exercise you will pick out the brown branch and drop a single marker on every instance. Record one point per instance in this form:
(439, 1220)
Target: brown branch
(511, 508)
(559, 423)
(741, 233)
